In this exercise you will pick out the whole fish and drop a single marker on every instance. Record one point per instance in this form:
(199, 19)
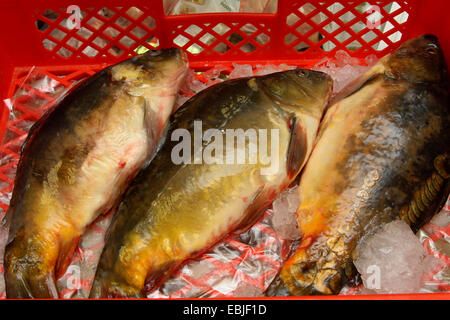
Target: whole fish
(173, 212)
(78, 160)
(382, 154)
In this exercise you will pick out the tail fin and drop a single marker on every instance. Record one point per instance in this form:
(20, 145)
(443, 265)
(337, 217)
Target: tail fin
(277, 289)
(28, 273)
(23, 285)
(103, 289)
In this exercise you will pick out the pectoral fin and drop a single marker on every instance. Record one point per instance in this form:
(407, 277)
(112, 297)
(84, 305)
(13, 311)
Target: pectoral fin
(298, 148)
(65, 256)
(366, 78)
(255, 211)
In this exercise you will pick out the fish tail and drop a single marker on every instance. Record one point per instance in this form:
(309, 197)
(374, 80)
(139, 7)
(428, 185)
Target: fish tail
(304, 274)
(103, 288)
(96, 289)
(21, 285)
(277, 288)
(28, 273)
(111, 283)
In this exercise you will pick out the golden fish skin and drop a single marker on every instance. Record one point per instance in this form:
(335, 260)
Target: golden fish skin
(78, 160)
(382, 153)
(172, 212)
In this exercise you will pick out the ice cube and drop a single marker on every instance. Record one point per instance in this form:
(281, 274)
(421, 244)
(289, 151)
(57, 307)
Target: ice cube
(392, 260)
(343, 68)
(213, 74)
(241, 71)
(262, 70)
(192, 84)
(343, 59)
(293, 199)
(284, 218)
(371, 60)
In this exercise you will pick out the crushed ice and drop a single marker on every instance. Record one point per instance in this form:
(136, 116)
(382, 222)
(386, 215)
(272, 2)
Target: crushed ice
(395, 249)
(284, 219)
(393, 260)
(343, 68)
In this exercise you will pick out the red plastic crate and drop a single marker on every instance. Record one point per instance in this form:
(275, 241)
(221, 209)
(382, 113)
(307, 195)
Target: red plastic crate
(296, 23)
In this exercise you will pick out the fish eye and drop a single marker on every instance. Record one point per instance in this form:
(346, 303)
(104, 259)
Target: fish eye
(302, 73)
(154, 52)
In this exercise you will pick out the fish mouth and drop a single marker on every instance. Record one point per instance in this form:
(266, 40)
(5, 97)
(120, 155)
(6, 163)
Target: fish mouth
(419, 59)
(428, 43)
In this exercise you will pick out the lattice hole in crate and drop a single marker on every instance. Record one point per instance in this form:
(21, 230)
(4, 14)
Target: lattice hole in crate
(221, 29)
(138, 32)
(106, 12)
(85, 33)
(122, 23)
(149, 22)
(95, 23)
(346, 26)
(221, 38)
(102, 32)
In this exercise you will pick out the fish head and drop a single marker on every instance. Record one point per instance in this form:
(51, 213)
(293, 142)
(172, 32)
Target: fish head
(307, 90)
(418, 60)
(164, 65)
(155, 68)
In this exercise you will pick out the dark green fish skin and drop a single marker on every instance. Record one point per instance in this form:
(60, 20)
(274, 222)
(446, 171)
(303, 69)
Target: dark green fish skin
(78, 160)
(382, 153)
(173, 212)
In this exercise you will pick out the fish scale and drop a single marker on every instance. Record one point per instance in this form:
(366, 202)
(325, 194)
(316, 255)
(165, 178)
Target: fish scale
(77, 161)
(382, 148)
(173, 212)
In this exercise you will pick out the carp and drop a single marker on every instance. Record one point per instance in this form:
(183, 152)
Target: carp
(175, 210)
(78, 160)
(382, 153)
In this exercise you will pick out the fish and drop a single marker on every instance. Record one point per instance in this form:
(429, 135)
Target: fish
(382, 153)
(78, 160)
(174, 210)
